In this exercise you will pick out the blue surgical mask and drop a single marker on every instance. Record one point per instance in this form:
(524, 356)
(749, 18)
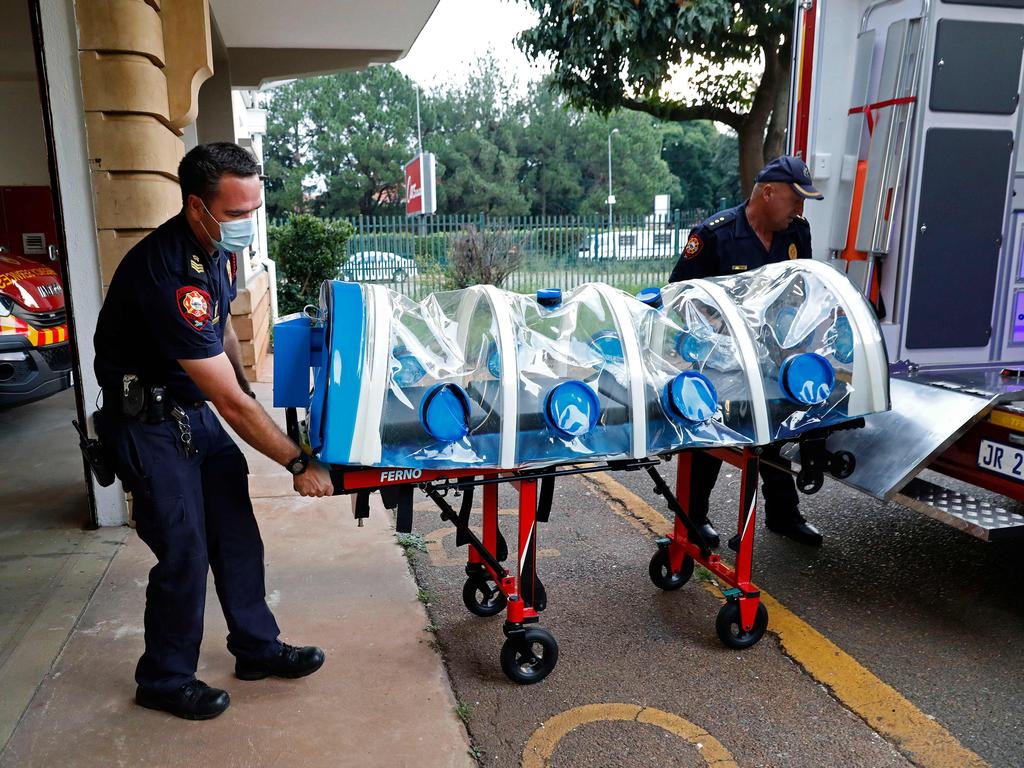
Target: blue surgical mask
(235, 236)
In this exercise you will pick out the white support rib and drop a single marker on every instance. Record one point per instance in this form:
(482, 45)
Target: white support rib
(870, 360)
(509, 374)
(366, 443)
(634, 362)
(748, 356)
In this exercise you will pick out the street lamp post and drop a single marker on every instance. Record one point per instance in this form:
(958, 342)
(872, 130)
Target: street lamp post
(611, 197)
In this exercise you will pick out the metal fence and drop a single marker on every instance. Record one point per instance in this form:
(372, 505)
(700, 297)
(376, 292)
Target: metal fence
(415, 256)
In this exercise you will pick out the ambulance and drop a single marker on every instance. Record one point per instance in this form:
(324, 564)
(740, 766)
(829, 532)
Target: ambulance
(908, 114)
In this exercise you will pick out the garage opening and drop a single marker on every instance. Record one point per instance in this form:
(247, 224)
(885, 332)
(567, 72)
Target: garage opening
(51, 556)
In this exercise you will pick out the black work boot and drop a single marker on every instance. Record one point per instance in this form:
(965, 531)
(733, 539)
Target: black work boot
(193, 701)
(707, 530)
(290, 662)
(794, 527)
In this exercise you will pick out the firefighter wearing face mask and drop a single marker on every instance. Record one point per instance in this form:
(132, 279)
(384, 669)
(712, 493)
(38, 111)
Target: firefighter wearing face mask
(165, 351)
(767, 228)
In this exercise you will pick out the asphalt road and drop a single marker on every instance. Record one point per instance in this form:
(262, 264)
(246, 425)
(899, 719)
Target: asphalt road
(930, 611)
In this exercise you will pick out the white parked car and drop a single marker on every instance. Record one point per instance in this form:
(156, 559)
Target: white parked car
(369, 266)
(634, 244)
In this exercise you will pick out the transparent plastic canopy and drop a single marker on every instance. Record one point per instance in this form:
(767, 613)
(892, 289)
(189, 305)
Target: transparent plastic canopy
(482, 377)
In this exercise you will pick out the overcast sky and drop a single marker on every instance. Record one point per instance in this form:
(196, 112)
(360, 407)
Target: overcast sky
(460, 32)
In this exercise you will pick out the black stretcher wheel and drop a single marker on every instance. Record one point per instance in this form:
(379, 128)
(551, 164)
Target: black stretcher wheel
(482, 596)
(842, 464)
(730, 629)
(809, 482)
(660, 570)
(530, 657)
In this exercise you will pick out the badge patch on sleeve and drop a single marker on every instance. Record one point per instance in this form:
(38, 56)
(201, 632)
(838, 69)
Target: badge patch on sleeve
(693, 246)
(792, 250)
(194, 305)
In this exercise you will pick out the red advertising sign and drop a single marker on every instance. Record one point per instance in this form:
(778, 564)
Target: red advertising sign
(419, 185)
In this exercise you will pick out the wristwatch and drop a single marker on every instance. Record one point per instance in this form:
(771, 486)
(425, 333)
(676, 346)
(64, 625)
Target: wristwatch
(298, 465)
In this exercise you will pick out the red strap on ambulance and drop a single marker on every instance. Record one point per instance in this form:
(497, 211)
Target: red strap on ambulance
(868, 109)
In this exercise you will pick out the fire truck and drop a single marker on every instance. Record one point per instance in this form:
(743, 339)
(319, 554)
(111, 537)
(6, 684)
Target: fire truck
(35, 356)
(908, 114)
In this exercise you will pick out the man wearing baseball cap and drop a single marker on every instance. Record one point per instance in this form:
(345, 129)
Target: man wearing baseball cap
(767, 228)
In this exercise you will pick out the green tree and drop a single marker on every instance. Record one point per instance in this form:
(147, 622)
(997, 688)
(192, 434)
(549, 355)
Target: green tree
(550, 173)
(307, 250)
(609, 54)
(336, 144)
(638, 171)
(704, 160)
(474, 131)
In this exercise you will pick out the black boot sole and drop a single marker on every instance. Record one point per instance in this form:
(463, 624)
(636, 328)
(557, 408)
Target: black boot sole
(262, 674)
(182, 715)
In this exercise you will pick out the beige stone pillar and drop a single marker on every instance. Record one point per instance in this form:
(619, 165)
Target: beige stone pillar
(142, 63)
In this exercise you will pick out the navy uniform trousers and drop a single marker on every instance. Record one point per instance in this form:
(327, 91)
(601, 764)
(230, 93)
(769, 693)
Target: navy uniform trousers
(195, 515)
(780, 496)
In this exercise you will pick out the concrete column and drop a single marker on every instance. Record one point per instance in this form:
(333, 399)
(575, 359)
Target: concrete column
(84, 279)
(141, 66)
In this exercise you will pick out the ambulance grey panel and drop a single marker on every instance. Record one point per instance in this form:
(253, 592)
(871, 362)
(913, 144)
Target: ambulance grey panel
(963, 194)
(976, 67)
(990, 3)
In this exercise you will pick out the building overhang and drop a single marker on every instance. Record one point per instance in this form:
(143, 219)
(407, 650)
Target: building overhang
(267, 41)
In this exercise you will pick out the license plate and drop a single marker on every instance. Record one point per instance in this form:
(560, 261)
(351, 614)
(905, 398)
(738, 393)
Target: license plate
(1004, 459)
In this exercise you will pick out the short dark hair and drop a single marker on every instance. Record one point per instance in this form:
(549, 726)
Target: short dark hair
(200, 171)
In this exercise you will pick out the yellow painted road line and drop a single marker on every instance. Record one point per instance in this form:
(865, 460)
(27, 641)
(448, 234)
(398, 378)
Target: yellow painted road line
(541, 746)
(880, 705)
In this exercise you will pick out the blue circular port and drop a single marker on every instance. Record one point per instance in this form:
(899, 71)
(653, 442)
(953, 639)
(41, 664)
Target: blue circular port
(692, 348)
(444, 412)
(549, 297)
(494, 360)
(609, 345)
(651, 297)
(690, 396)
(784, 323)
(844, 340)
(410, 370)
(571, 408)
(807, 378)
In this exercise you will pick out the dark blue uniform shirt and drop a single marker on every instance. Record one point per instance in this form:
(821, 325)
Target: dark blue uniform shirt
(725, 244)
(168, 300)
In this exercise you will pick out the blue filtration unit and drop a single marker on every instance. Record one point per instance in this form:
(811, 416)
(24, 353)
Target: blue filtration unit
(482, 377)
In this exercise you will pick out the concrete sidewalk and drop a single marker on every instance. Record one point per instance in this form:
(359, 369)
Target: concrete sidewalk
(382, 697)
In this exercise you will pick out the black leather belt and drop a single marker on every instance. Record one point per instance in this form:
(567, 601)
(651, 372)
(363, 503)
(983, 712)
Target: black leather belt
(156, 407)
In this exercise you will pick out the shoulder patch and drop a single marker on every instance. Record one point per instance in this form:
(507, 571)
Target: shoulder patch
(194, 306)
(693, 247)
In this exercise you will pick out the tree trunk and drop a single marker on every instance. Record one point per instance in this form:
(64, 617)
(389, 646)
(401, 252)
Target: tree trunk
(775, 138)
(752, 140)
(751, 151)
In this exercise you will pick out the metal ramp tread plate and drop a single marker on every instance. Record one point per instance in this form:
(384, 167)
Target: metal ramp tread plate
(979, 518)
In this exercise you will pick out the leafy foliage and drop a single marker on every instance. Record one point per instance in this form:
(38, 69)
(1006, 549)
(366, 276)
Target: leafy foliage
(336, 146)
(308, 250)
(610, 54)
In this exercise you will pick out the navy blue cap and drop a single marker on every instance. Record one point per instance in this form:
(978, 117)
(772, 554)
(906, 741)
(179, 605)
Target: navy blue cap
(793, 171)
